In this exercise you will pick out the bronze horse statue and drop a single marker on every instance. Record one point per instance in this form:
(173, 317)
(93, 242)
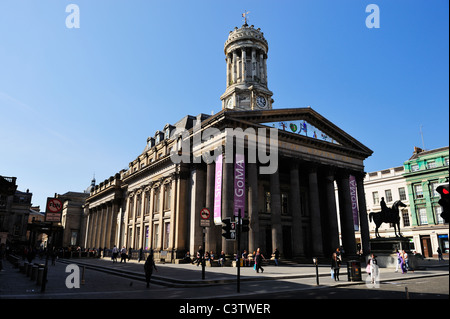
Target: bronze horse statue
(388, 215)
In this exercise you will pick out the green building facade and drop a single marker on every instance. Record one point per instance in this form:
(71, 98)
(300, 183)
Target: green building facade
(424, 171)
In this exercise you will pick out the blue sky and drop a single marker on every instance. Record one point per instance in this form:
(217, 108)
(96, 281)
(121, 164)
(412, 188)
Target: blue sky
(74, 102)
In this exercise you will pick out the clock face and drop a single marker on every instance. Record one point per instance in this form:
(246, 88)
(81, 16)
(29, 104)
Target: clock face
(261, 102)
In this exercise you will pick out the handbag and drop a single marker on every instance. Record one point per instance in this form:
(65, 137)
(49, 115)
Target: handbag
(332, 274)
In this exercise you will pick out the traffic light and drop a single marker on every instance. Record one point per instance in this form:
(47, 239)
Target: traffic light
(443, 190)
(245, 227)
(228, 229)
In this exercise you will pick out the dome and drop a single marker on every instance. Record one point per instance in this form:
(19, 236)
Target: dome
(246, 36)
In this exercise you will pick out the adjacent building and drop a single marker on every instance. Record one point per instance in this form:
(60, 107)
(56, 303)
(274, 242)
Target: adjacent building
(414, 183)
(15, 207)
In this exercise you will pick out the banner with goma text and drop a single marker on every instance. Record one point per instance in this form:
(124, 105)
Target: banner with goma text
(218, 191)
(239, 185)
(354, 201)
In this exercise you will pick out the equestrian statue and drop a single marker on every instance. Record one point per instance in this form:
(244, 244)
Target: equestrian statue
(387, 215)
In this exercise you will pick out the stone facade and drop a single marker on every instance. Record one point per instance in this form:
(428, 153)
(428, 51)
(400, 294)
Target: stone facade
(156, 203)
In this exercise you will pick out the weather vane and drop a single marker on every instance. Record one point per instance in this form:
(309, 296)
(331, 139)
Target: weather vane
(244, 15)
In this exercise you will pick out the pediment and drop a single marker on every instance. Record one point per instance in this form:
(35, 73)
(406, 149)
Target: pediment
(305, 124)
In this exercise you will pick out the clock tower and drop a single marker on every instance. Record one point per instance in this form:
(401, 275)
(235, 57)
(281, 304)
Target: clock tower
(246, 58)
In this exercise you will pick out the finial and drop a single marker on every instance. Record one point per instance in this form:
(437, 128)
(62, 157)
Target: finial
(244, 15)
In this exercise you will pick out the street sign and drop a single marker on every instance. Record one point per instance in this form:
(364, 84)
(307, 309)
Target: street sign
(53, 210)
(205, 220)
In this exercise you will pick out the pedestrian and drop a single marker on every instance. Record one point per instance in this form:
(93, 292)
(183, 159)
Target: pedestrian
(200, 255)
(402, 263)
(439, 251)
(374, 270)
(140, 254)
(148, 268)
(276, 255)
(258, 260)
(115, 252)
(335, 266)
(399, 260)
(222, 259)
(123, 255)
(407, 266)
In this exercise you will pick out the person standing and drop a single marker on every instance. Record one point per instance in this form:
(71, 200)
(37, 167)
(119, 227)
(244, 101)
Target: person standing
(148, 268)
(258, 260)
(335, 266)
(374, 271)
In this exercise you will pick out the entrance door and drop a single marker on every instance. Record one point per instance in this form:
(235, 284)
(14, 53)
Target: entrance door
(426, 246)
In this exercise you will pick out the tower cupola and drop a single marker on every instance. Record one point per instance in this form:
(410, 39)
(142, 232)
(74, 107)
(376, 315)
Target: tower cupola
(246, 57)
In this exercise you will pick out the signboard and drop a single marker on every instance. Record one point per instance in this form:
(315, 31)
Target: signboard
(205, 218)
(239, 185)
(218, 191)
(53, 210)
(354, 201)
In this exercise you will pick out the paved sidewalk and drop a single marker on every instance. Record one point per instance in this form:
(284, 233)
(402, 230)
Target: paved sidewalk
(129, 280)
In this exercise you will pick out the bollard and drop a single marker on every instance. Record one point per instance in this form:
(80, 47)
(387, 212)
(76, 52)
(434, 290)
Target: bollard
(22, 267)
(40, 276)
(28, 269)
(34, 270)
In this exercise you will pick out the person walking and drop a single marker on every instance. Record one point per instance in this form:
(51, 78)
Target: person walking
(374, 270)
(439, 251)
(148, 268)
(115, 252)
(399, 260)
(258, 260)
(276, 256)
(335, 266)
(123, 255)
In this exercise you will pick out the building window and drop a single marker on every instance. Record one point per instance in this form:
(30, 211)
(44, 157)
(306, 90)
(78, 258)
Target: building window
(388, 194)
(431, 164)
(284, 204)
(131, 208)
(433, 186)
(437, 213)
(423, 216)
(267, 201)
(74, 238)
(166, 235)
(147, 203)
(376, 198)
(418, 191)
(402, 193)
(414, 167)
(446, 161)
(138, 205)
(156, 200)
(147, 247)
(405, 217)
(167, 196)
(156, 236)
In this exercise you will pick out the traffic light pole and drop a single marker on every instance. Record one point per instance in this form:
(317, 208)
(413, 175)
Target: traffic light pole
(204, 252)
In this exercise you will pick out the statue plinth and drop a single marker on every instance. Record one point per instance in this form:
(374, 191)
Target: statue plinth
(386, 251)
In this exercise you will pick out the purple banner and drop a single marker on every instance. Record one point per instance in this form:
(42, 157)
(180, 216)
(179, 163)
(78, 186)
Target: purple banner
(239, 185)
(218, 191)
(354, 200)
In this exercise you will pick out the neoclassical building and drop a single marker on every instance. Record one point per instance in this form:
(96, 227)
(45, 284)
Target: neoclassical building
(290, 161)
